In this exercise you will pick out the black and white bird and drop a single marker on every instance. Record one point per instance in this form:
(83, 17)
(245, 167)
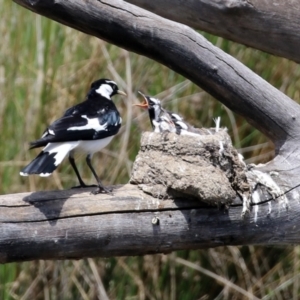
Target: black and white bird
(163, 120)
(86, 127)
(160, 119)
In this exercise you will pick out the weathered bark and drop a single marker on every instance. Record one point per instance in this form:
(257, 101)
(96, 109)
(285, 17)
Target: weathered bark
(52, 225)
(76, 224)
(188, 53)
(265, 25)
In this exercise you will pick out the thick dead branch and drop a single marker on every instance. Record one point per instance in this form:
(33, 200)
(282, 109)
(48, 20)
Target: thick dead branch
(70, 224)
(185, 51)
(76, 224)
(265, 25)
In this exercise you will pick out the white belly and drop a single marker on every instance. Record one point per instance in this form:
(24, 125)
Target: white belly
(92, 147)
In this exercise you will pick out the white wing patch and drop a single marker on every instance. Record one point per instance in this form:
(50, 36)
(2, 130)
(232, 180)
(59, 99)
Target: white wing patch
(92, 124)
(119, 121)
(182, 125)
(48, 131)
(177, 117)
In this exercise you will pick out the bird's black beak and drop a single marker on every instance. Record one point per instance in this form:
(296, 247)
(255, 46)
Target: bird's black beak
(145, 104)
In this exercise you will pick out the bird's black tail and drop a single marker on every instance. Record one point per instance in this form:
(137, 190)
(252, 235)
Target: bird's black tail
(48, 160)
(43, 164)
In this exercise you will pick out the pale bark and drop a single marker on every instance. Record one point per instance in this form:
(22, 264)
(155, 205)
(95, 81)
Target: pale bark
(70, 224)
(185, 51)
(271, 26)
(73, 224)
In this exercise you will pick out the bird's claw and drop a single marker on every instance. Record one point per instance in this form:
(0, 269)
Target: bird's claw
(102, 189)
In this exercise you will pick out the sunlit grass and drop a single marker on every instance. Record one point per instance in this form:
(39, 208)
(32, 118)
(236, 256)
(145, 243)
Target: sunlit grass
(44, 69)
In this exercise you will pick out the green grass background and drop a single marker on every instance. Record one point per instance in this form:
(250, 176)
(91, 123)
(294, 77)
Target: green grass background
(45, 68)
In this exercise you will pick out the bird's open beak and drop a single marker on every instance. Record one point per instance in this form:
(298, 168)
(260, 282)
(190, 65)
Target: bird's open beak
(145, 103)
(121, 93)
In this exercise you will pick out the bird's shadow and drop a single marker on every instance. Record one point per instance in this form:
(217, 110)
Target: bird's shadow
(50, 203)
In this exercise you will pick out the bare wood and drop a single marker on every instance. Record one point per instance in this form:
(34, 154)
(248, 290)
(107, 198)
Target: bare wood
(188, 53)
(265, 25)
(76, 224)
(72, 224)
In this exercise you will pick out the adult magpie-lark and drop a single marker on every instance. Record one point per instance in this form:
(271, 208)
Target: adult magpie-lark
(86, 127)
(163, 120)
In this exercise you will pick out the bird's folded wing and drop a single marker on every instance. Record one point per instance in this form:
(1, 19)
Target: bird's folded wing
(81, 127)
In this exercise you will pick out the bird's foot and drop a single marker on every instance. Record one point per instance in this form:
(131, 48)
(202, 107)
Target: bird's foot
(101, 189)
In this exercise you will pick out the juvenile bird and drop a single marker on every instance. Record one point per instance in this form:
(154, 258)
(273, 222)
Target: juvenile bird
(86, 127)
(163, 120)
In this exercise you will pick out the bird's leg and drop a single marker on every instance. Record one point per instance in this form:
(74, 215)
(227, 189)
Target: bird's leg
(82, 184)
(101, 188)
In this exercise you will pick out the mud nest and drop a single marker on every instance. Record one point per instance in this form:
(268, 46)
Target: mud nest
(206, 167)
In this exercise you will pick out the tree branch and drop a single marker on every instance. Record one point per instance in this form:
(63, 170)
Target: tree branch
(264, 25)
(185, 51)
(76, 224)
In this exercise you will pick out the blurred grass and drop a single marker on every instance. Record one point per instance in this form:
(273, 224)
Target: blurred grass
(45, 68)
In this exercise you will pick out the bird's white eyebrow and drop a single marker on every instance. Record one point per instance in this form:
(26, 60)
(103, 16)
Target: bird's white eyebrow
(156, 101)
(110, 81)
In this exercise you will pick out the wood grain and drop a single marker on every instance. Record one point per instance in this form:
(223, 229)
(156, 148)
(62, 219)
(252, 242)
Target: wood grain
(77, 224)
(265, 25)
(186, 52)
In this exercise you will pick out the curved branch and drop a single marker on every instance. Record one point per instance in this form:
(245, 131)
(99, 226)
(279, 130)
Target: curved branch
(75, 224)
(264, 25)
(185, 51)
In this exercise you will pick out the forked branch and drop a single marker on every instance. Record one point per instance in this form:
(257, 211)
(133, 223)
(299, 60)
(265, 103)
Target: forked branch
(71, 224)
(185, 51)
